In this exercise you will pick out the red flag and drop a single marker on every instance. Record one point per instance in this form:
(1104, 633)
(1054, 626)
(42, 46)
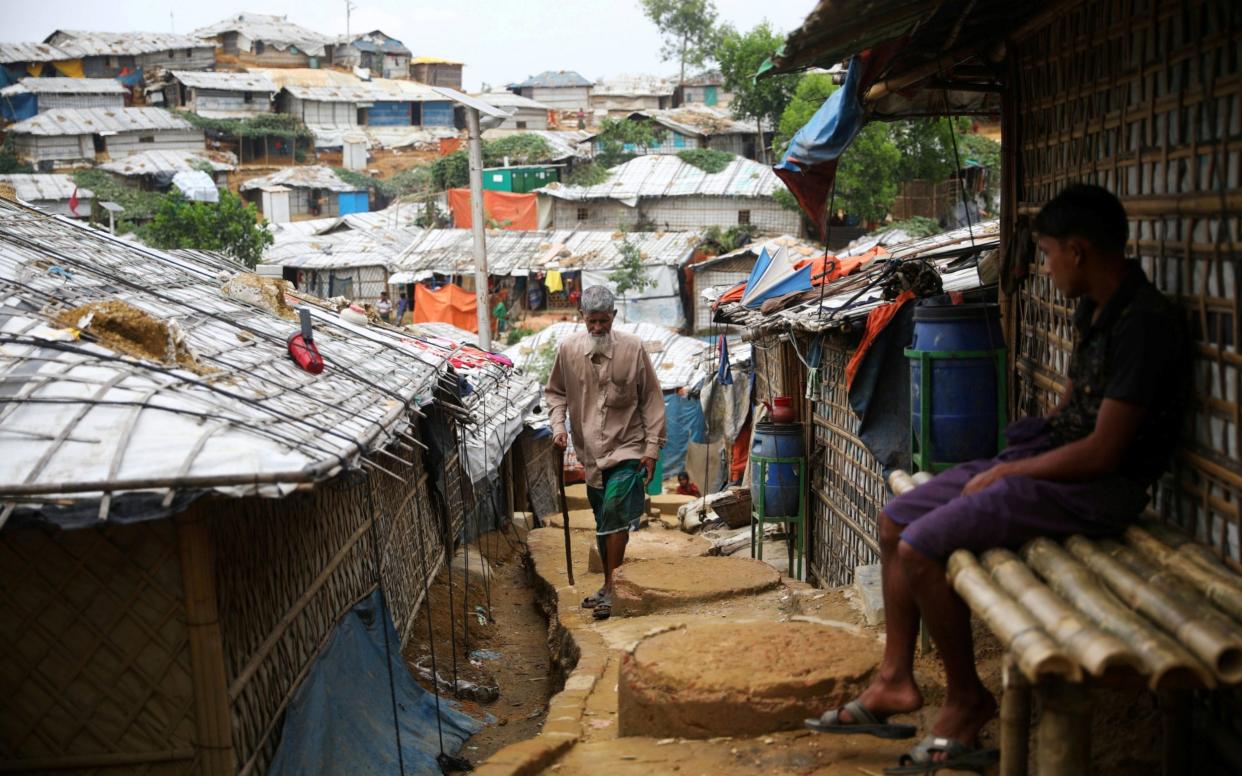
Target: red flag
(73, 201)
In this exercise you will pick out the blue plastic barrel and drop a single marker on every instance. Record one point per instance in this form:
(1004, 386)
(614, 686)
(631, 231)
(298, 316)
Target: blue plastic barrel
(777, 440)
(963, 402)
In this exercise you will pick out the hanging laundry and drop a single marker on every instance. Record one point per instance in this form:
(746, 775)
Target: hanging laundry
(553, 281)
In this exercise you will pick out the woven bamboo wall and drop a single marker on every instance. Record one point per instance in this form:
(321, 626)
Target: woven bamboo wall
(847, 487)
(1145, 99)
(96, 670)
(288, 569)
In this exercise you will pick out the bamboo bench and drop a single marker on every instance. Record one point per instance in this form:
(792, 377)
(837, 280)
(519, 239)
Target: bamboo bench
(1151, 607)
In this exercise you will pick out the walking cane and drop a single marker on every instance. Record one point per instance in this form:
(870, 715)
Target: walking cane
(560, 480)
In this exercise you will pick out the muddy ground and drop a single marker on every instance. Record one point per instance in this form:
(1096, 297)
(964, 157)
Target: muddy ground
(509, 652)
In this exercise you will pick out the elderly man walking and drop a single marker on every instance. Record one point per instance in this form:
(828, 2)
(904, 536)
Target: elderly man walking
(605, 383)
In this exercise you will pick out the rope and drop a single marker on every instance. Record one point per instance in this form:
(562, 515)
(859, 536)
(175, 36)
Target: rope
(379, 584)
(431, 640)
(823, 281)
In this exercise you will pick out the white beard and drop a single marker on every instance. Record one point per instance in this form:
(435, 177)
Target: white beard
(599, 345)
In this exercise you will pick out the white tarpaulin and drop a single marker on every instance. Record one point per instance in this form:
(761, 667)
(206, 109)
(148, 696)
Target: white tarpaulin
(197, 186)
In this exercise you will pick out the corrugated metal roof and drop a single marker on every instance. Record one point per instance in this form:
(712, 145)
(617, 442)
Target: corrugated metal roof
(384, 137)
(34, 188)
(565, 144)
(391, 217)
(275, 31)
(229, 82)
(706, 78)
(376, 41)
(663, 175)
(552, 79)
(510, 100)
(152, 162)
(87, 121)
(806, 249)
(310, 177)
(87, 43)
(675, 358)
(516, 252)
(634, 85)
(32, 52)
(66, 86)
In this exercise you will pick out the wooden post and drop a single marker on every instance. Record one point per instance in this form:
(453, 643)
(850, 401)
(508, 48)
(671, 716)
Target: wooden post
(1015, 721)
(1063, 734)
(212, 716)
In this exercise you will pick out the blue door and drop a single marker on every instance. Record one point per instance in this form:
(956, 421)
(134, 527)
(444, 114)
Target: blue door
(353, 202)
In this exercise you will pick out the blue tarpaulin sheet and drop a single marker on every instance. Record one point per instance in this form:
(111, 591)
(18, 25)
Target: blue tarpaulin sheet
(341, 718)
(685, 424)
(437, 114)
(389, 114)
(19, 106)
(353, 202)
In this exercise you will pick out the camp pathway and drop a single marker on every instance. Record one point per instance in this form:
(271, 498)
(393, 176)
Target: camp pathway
(755, 633)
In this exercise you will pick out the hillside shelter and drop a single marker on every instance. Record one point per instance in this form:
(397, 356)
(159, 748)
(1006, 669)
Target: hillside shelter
(32, 96)
(72, 136)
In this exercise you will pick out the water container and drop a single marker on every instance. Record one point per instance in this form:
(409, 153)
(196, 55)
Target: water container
(777, 440)
(963, 402)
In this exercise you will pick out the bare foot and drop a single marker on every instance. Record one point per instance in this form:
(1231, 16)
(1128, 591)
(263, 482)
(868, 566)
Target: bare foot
(963, 718)
(884, 697)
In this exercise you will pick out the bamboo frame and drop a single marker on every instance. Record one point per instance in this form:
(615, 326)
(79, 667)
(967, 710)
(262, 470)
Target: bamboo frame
(1033, 650)
(1207, 638)
(214, 745)
(1063, 734)
(1168, 663)
(1099, 652)
(1215, 585)
(1015, 721)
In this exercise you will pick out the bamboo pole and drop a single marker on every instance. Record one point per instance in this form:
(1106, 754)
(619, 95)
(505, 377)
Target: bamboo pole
(1168, 663)
(922, 477)
(900, 482)
(1015, 721)
(1063, 735)
(1034, 652)
(1186, 595)
(1215, 584)
(212, 713)
(1100, 653)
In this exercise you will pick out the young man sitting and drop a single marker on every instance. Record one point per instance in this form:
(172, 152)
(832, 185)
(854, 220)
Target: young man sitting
(1084, 469)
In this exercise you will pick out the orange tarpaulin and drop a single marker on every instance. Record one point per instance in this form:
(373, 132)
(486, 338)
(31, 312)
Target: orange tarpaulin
(449, 304)
(503, 209)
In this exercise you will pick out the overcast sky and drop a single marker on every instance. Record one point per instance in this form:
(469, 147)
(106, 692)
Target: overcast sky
(499, 40)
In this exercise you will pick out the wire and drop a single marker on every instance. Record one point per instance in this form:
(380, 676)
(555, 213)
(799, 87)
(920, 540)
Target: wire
(431, 637)
(823, 280)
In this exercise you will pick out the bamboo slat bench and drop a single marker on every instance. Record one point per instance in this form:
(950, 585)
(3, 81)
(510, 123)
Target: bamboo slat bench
(1151, 606)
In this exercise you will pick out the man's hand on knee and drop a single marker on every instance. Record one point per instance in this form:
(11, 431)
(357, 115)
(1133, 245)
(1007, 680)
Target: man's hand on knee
(985, 478)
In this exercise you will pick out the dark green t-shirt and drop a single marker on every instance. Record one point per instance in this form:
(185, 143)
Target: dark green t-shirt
(1134, 352)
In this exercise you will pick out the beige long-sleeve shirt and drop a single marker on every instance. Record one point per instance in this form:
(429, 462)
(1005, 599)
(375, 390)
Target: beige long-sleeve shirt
(614, 402)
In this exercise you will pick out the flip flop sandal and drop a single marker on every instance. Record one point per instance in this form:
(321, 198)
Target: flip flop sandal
(864, 721)
(958, 757)
(593, 600)
(602, 610)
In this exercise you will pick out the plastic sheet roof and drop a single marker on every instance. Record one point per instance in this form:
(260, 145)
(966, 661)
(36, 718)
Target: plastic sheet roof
(956, 255)
(664, 175)
(309, 177)
(275, 31)
(510, 100)
(634, 85)
(699, 120)
(551, 79)
(227, 82)
(32, 52)
(89, 121)
(154, 162)
(376, 41)
(391, 217)
(66, 86)
(676, 358)
(35, 188)
(350, 248)
(87, 43)
(119, 433)
(450, 251)
(383, 137)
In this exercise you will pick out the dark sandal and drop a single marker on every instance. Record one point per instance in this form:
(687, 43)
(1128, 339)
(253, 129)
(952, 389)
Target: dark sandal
(864, 722)
(602, 610)
(593, 600)
(959, 757)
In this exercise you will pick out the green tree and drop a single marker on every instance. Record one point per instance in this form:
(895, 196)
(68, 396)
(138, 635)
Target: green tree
(229, 226)
(688, 28)
(616, 136)
(9, 163)
(740, 55)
